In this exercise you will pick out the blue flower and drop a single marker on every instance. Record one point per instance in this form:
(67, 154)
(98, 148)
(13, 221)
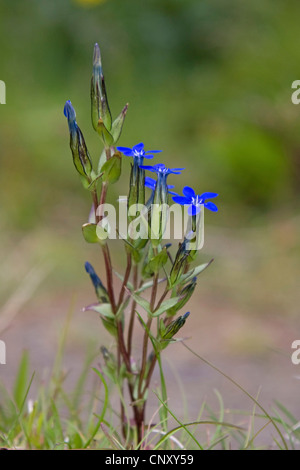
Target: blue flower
(137, 152)
(195, 201)
(161, 187)
(151, 183)
(160, 169)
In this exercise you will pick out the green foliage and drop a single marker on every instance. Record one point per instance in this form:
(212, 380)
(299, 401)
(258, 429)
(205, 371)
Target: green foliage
(90, 233)
(112, 169)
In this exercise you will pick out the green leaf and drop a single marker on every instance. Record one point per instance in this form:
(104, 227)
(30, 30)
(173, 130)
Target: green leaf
(103, 309)
(148, 284)
(21, 380)
(117, 125)
(105, 135)
(104, 409)
(165, 306)
(153, 340)
(157, 262)
(93, 183)
(112, 168)
(142, 302)
(192, 273)
(102, 160)
(110, 327)
(90, 233)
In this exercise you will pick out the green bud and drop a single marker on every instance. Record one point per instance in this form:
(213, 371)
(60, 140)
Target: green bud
(109, 359)
(99, 103)
(180, 263)
(172, 329)
(81, 157)
(185, 294)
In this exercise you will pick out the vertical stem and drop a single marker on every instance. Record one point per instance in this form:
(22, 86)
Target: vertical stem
(126, 277)
(132, 314)
(109, 277)
(146, 337)
(95, 201)
(102, 199)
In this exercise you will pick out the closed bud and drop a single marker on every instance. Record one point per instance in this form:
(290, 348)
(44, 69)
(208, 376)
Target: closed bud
(81, 157)
(101, 292)
(180, 263)
(185, 294)
(172, 329)
(99, 102)
(109, 359)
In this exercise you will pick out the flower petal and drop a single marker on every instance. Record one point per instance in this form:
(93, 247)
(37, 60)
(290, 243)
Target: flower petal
(153, 151)
(172, 192)
(126, 150)
(148, 156)
(138, 147)
(207, 196)
(69, 111)
(211, 206)
(181, 200)
(188, 192)
(148, 167)
(176, 171)
(150, 183)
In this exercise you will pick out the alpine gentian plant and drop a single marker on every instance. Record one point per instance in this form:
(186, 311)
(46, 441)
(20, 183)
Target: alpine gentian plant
(148, 261)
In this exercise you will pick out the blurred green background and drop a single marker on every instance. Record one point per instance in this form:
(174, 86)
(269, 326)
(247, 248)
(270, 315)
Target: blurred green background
(209, 83)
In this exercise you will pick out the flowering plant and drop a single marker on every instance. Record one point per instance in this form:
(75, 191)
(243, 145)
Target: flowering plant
(149, 262)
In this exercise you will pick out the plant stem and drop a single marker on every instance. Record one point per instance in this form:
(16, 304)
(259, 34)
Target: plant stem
(146, 336)
(102, 199)
(132, 314)
(126, 277)
(149, 375)
(95, 201)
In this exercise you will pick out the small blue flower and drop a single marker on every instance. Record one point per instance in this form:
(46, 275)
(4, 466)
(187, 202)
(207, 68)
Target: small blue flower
(151, 183)
(161, 169)
(138, 152)
(161, 187)
(195, 201)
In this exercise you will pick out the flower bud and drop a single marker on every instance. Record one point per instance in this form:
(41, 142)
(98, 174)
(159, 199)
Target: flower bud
(185, 294)
(99, 103)
(180, 263)
(101, 292)
(81, 157)
(172, 329)
(109, 359)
